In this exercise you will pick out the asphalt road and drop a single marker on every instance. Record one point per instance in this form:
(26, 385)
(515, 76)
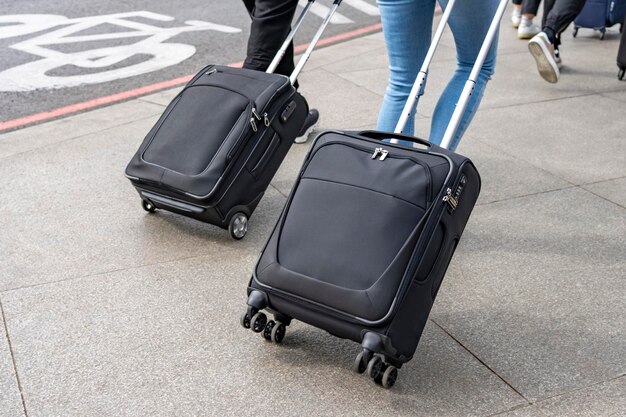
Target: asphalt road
(56, 54)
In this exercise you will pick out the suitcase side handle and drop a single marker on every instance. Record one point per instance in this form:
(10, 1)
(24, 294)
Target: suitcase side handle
(375, 134)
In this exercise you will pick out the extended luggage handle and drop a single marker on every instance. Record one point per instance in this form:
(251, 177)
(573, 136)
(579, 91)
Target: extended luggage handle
(418, 87)
(305, 57)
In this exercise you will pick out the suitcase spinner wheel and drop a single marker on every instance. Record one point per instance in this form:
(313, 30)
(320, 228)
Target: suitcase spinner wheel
(620, 74)
(381, 373)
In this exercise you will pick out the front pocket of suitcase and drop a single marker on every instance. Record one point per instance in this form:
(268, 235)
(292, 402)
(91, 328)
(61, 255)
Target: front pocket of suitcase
(200, 125)
(342, 234)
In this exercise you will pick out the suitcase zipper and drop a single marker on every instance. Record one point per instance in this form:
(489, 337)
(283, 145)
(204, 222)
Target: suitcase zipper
(381, 153)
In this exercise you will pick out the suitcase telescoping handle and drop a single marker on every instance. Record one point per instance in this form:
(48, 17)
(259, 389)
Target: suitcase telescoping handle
(418, 86)
(303, 60)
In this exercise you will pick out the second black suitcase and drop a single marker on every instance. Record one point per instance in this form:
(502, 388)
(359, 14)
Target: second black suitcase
(217, 146)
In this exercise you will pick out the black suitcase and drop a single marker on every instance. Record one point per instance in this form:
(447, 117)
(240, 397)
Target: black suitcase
(621, 55)
(217, 146)
(365, 238)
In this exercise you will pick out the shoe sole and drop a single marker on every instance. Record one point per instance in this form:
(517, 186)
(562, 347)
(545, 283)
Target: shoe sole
(304, 137)
(545, 68)
(526, 35)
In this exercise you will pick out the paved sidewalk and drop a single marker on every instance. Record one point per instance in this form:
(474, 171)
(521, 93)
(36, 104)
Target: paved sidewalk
(108, 311)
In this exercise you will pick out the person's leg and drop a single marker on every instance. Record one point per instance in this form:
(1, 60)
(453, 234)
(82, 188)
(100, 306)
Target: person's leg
(516, 14)
(544, 47)
(562, 14)
(271, 22)
(530, 7)
(407, 27)
(547, 7)
(469, 21)
(527, 29)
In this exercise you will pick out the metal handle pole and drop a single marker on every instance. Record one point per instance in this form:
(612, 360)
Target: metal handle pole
(418, 86)
(470, 84)
(316, 38)
(283, 49)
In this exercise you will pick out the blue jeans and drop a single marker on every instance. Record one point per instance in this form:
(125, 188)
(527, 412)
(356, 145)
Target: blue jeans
(407, 27)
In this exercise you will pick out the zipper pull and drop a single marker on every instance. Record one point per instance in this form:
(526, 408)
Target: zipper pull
(256, 114)
(211, 71)
(253, 123)
(266, 119)
(377, 152)
(383, 155)
(452, 201)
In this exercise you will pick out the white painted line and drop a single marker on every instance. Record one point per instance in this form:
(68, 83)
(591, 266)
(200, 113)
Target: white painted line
(363, 6)
(321, 11)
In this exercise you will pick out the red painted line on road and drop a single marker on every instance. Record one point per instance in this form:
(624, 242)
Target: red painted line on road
(153, 88)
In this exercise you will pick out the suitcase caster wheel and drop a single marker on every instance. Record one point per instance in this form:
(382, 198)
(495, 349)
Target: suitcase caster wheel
(245, 320)
(258, 322)
(389, 377)
(148, 206)
(620, 74)
(602, 35)
(238, 225)
(374, 367)
(575, 32)
(267, 331)
(278, 332)
(360, 363)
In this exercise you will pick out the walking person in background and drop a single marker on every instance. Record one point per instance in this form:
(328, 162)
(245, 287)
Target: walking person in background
(524, 11)
(271, 23)
(407, 27)
(544, 47)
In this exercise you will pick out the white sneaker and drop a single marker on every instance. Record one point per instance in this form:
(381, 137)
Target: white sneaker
(542, 50)
(311, 122)
(527, 30)
(516, 17)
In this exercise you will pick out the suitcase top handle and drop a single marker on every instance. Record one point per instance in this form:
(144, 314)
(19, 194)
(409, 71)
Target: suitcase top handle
(375, 134)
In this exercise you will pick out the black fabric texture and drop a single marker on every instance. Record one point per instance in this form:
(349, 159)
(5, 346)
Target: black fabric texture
(196, 128)
(205, 127)
(321, 262)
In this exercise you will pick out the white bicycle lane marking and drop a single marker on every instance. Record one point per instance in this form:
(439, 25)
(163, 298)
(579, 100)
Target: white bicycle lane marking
(35, 75)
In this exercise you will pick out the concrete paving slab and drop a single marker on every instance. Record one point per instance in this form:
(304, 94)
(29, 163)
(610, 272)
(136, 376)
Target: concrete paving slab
(599, 400)
(612, 190)
(341, 103)
(543, 305)
(339, 52)
(10, 400)
(605, 399)
(75, 126)
(560, 229)
(287, 173)
(578, 139)
(618, 95)
(162, 98)
(521, 177)
(160, 340)
(74, 213)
